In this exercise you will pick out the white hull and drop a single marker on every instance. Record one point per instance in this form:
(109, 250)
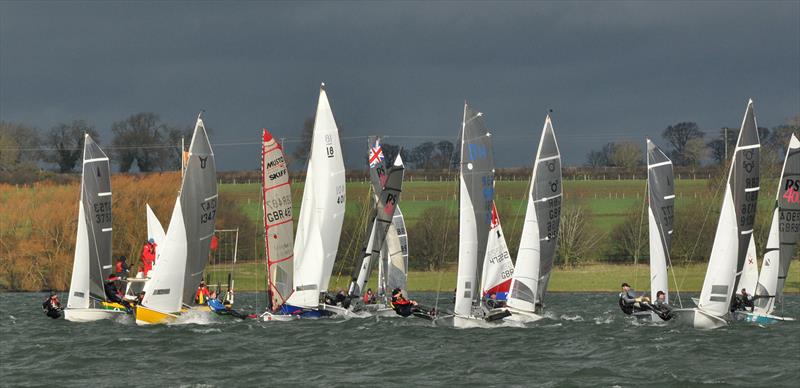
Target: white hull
(522, 316)
(698, 319)
(647, 316)
(90, 315)
(343, 312)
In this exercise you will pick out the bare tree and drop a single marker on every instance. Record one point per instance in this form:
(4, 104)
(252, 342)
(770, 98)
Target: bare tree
(694, 152)
(629, 239)
(66, 141)
(679, 135)
(303, 150)
(575, 240)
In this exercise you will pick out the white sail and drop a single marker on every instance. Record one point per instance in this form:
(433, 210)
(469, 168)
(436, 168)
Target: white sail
(497, 265)
(784, 233)
(321, 212)
(749, 277)
(154, 228)
(164, 290)
(736, 219)
(539, 238)
(278, 223)
(79, 285)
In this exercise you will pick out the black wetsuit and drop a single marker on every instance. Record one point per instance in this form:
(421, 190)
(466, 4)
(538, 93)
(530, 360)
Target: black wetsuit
(51, 310)
(232, 313)
(112, 294)
(663, 310)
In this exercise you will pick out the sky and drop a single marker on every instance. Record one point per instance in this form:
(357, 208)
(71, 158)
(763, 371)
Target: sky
(610, 71)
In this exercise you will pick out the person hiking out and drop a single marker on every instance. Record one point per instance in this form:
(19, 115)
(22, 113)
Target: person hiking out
(52, 306)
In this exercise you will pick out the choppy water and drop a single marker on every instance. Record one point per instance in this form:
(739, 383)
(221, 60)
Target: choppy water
(585, 341)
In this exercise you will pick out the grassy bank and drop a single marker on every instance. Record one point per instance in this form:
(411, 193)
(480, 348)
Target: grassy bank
(599, 277)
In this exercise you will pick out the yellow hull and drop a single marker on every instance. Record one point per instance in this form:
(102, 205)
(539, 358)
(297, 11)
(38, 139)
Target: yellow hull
(147, 316)
(112, 306)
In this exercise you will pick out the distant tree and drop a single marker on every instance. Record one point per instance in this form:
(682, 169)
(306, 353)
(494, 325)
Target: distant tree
(780, 136)
(390, 151)
(596, 159)
(678, 136)
(608, 153)
(408, 158)
(629, 239)
(627, 155)
(303, 150)
(446, 149)
(423, 154)
(575, 240)
(435, 239)
(695, 152)
(19, 153)
(65, 141)
(717, 146)
(139, 138)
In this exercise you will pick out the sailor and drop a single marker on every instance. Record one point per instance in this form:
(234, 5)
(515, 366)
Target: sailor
(401, 305)
(112, 292)
(369, 297)
(148, 255)
(492, 302)
(629, 303)
(52, 306)
(342, 299)
(228, 310)
(122, 267)
(661, 307)
(214, 303)
(742, 302)
(201, 294)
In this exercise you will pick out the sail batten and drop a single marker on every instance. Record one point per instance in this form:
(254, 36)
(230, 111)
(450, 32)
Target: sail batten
(660, 215)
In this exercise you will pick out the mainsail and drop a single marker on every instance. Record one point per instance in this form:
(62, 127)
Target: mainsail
(783, 233)
(476, 195)
(660, 216)
(154, 230)
(321, 212)
(394, 254)
(537, 247)
(277, 206)
(184, 252)
(735, 221)
(92, 263)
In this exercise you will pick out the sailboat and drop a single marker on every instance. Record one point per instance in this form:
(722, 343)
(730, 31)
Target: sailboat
(387, 243)
(278, 223)
(321, 215)
(476, 201)
(784, 233)
(93, 262)
(183, 254)
(733, 234)
(539, 239)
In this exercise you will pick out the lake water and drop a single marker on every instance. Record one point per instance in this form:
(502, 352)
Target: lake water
(584, 341)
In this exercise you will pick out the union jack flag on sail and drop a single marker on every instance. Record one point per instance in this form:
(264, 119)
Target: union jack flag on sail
(375, 153)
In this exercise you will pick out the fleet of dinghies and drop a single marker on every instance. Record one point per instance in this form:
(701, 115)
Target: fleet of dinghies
(491, 288)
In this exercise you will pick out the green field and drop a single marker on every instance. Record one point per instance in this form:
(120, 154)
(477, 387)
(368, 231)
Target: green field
(589, 278)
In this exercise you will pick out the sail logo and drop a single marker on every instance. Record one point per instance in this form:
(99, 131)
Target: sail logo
(749, 166)
(554, 186)
(276, 175)
(203, 161)
(551, 166)
(275, 162)
(476, 151)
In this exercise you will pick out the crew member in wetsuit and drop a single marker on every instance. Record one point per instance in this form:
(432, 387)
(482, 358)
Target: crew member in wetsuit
(493, 303)
(661, 307)
(629, 303)
(401, 305)
(742, 302)
(369, 297)
(228, 310)
(113, 294)
(52, 306)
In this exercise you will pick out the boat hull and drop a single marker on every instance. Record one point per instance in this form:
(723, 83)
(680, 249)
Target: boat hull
(522, 316)
(698, 319)
(148, 316)
(764, 319)
(91, 315)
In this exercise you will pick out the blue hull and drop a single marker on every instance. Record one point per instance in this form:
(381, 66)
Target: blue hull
(303, 312)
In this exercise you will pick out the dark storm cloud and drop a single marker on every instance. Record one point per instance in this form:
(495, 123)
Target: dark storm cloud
(611, 71)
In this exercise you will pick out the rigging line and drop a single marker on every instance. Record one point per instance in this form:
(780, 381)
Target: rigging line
(639, 237)
(702, 227)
